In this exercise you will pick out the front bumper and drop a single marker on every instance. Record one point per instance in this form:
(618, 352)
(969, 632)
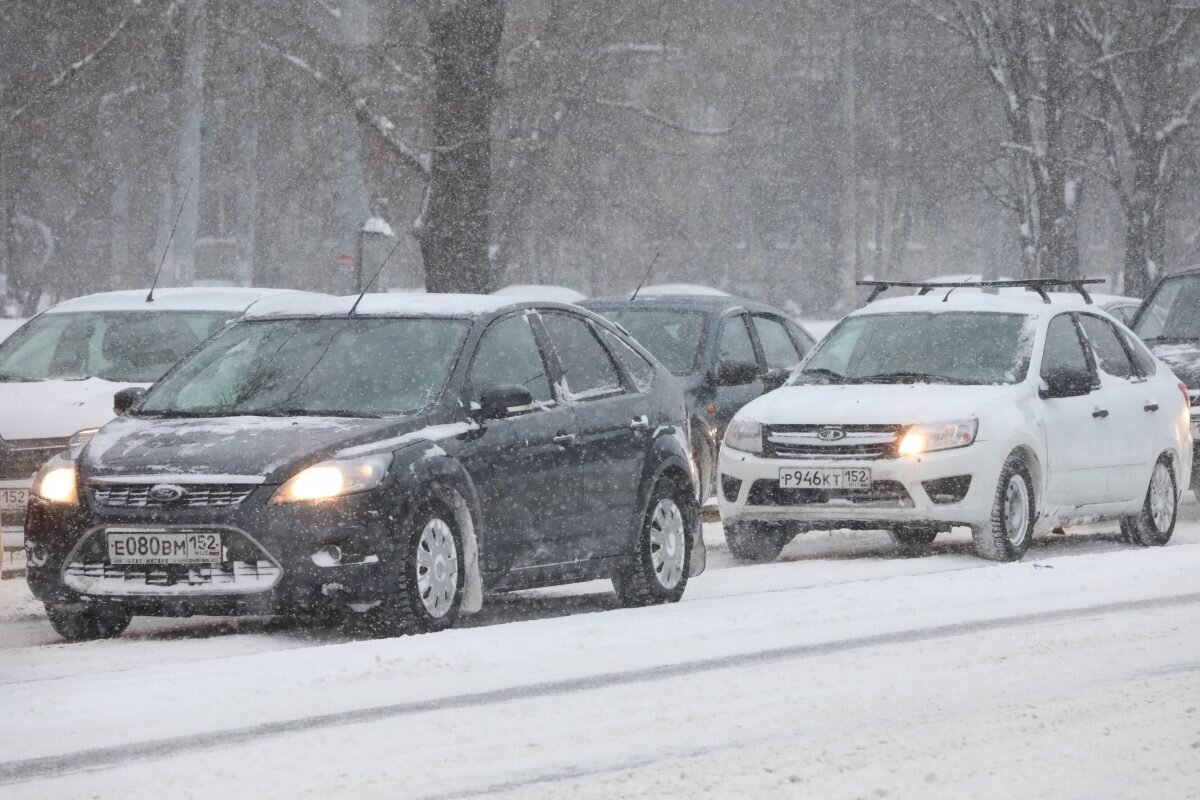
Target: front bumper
(270, 564)
(914, 491)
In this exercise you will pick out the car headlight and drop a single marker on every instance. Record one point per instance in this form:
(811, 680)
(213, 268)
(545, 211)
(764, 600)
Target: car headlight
(919, 439)
(55, 482)
(745, 435)
(334, 478)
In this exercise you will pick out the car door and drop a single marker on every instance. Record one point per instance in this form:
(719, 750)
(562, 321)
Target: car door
(522, 465)
(1077, 429)
(613, 419)
(733, 343)
(1132, 402)
(779, 347)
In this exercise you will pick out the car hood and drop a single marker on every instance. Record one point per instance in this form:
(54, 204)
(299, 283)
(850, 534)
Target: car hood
(869, 404)
(271, 447)
(55, 409)
(1183, 358)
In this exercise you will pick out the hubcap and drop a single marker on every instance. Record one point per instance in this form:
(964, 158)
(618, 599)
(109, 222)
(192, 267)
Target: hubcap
(1162, 498)
(1016, 509)
(667, 545)
(437, 568)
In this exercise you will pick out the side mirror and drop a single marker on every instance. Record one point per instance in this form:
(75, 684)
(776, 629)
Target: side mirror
(736, 373)
(775, 378)
(1066, 383)
(499, 401)
(127, 399)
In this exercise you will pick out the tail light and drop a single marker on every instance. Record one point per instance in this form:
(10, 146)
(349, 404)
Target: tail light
(1187, 398)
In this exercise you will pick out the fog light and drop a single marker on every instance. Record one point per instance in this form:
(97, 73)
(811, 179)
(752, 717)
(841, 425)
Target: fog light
(328, 556)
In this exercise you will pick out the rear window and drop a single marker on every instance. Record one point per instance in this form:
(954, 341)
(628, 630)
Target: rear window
(672, 336)
(1172, 312)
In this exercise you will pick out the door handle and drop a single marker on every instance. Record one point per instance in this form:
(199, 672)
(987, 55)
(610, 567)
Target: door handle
(640, 423)
(1100, 413)
(564, 439)
(1150, 407)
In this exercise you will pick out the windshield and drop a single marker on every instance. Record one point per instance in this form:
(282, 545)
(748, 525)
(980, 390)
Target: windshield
(951, 347)
(119, 346)
(1173, 312)
(672, 336)
(336, 367)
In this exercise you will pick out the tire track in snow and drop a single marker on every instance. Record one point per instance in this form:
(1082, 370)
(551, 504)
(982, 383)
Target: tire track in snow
(33, 769)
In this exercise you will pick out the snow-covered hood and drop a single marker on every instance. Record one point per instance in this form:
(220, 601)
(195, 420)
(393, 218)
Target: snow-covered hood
(55, 409)
(272, 447)
(870, 404)
(1183, 358)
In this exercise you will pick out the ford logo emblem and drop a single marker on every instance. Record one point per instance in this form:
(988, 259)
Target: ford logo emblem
(831, 434)
(166, 492)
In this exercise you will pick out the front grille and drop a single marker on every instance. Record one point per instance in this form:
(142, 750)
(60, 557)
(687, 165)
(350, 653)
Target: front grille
(886, 494)
(137, 495)
(21, 458)
(245, 568)
(843, 441)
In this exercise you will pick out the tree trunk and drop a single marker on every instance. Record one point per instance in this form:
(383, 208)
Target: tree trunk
(183, 247)
(454, 226)
(847, 167)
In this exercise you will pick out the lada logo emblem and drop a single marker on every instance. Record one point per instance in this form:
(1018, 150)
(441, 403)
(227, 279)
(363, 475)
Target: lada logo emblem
(831, 434)
(166, 492)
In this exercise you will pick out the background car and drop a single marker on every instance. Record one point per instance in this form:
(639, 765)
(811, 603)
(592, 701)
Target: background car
(59, 370)
(395, 457)
(1124, 309)
(726, 351)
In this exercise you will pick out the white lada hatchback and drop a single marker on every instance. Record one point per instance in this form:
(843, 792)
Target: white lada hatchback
(1014, 414)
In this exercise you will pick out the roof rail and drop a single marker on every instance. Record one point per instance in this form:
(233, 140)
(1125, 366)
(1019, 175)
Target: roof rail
(1039, 285)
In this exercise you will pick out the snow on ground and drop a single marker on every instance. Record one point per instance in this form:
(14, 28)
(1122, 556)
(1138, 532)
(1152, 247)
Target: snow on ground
(841, 670)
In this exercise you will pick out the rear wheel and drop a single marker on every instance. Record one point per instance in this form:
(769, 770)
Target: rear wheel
(756, 541)
(1154, 526)
(658, 571)
(912, 541)
(429, 584)
(81, 624)
(1007, 536)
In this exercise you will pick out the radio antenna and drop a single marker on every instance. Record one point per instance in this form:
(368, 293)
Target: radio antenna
(375, 277)
(167, 249)
(650, 269)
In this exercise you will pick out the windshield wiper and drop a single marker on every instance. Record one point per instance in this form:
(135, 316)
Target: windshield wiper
(308, 412)
(1169, 339)
(5, 378)
(837, 377)
(910, 377)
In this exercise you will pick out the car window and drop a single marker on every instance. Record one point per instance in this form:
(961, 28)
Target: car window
(1173, 311)
(802, 338)
(640, 370)
(1141, 356)
(777, 344)
(587, 368)
(1110, 353)
(508, 354)
(735, 343)
(1064, 351)
(672, 336)
(1123, 313)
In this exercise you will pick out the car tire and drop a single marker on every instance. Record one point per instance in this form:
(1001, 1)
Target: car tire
(912, 541)
(88, 623)
(702, 452)
(658, 571)
(1007, 535)
(756, 542)
(428, 579)
(1156, 522)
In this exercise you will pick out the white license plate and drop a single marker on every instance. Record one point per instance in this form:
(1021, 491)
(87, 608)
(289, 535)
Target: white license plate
(824, 478)
(163, 547)
(13, 499)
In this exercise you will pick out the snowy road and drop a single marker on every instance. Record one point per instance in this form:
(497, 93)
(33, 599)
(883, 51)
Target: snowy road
(841, 671)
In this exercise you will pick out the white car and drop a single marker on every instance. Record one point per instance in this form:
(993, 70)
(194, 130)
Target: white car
(1011, 414)
(60, 370)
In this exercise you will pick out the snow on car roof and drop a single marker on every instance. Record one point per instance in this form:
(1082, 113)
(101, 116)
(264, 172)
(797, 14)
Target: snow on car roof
(966, 299)
(682, 288)
(233, 299)
(559, 294)
(385, 304)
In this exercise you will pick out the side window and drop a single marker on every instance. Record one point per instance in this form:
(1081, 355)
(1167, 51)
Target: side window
(802, 338)
(587, 367)
(1110, 353)
(1064, 351)
(508, 354)
(1141, 356)
(639, 369)
(777, 343)
(735, 343)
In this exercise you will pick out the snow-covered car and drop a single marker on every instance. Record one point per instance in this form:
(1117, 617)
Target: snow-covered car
(59, 370)
(395, 457)
(1013, 415)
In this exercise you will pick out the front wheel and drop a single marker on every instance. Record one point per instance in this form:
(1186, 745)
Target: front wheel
(756, 541)
(428, 588)
(1154, 526)
(89, 622)
(1006, 536)
(658, 571)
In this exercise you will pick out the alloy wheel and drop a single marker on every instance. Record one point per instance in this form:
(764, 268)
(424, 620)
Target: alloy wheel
(667, 545)
(1162, 505)
(437, 568)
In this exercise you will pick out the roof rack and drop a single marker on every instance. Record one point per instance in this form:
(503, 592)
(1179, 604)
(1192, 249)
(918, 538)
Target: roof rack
(1039, 285)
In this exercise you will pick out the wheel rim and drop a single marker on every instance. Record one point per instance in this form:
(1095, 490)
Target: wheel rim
(437, 568)
(1016, 509)
(667, 543)
(1162, 497)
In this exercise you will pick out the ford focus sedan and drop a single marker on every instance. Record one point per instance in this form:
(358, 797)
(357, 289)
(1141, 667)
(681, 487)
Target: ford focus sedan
(1013, 415)
(395, 458)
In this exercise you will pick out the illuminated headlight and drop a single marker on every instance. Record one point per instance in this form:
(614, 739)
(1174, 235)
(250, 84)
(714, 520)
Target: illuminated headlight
(55, 482)
(919, 439)
(745, 435)
(334, 478)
